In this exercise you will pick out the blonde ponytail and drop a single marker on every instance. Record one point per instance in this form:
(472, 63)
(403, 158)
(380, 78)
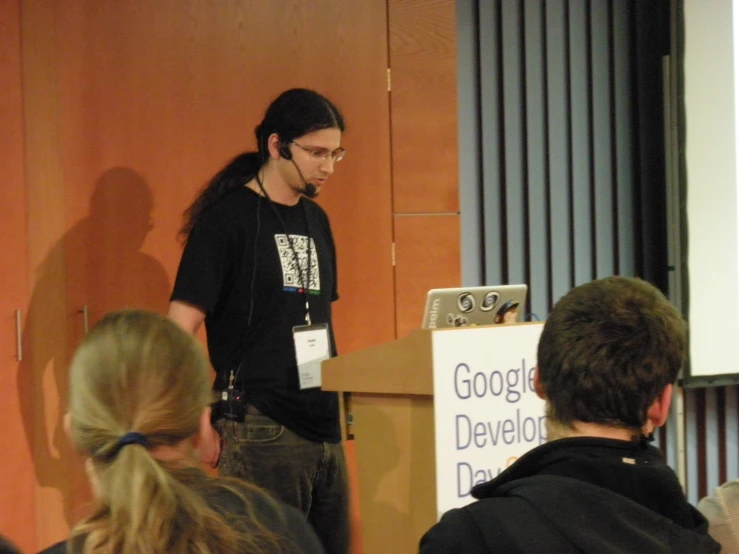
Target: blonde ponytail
(138, 382)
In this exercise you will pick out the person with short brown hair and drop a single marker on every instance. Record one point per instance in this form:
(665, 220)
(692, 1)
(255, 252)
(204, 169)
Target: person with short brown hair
(607, 360)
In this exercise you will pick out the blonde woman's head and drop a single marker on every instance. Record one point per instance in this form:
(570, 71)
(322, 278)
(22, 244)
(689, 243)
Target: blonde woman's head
(139, 394)
(136, 372)
(139, 387)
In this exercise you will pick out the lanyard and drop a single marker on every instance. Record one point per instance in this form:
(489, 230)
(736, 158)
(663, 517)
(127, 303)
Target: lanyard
(304, 280)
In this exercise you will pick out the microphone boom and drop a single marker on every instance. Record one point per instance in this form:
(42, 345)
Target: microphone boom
(309, 189)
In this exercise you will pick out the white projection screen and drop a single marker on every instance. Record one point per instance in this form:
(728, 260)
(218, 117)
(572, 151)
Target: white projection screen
(710, 101)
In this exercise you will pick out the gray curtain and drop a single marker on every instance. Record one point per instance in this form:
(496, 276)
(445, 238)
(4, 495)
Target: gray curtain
(562, 159)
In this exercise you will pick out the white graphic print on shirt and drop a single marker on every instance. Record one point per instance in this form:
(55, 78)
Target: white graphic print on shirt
(292, 278)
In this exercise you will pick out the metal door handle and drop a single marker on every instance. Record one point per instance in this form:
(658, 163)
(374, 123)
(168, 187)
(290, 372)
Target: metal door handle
(18, 335)
(85, 318)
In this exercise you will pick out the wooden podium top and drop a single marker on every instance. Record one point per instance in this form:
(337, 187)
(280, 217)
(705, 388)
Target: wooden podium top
(403, 366)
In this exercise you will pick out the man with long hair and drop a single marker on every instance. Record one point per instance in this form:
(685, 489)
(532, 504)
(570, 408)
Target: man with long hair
(259, 268)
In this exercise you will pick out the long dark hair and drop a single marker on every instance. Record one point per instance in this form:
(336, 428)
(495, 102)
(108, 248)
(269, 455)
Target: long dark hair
(294, 113)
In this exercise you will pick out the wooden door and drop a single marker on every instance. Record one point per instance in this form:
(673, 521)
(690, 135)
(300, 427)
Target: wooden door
(131, 107)
(157, 97)
(423, 62)
(17, 489)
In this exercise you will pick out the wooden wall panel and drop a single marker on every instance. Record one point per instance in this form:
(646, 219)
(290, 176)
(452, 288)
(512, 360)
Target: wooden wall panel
(176, 90)
(58, 470)
(426, 257)
(424, 105)
(17, 489)
(425, 170)
(399, 504)
(130, 108)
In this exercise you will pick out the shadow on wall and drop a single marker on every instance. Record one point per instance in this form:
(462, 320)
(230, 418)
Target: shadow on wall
(96, 267)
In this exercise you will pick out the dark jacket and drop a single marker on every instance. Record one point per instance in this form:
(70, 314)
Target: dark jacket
(283, 520)
(577, 495)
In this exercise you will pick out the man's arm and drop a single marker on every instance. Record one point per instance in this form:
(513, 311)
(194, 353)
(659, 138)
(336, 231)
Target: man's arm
(190, 318)
(187, 316)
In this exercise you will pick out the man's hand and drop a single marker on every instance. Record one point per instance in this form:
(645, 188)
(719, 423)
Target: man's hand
(209, 445)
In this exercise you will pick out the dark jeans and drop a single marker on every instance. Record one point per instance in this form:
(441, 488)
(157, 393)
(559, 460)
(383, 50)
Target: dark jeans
(309, 475)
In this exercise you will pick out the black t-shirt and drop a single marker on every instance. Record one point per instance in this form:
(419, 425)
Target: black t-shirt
(239, 267)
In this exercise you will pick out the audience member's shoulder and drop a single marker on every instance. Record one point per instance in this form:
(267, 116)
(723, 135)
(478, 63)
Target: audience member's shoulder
(722, 512)
(58, 548)
(287, 521)
(7, 547)
(232, 496)
(456, 532)
(300, 532)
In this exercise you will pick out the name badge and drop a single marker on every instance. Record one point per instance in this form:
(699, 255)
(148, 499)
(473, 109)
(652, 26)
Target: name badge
(311, 348)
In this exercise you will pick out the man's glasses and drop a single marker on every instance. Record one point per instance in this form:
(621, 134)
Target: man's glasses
(322, 155)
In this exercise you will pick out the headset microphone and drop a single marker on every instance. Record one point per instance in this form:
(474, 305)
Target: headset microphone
(309, 189)
(285, 152)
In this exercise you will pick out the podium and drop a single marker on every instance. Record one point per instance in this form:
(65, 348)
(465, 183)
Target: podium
(484, 381)
(391, 403)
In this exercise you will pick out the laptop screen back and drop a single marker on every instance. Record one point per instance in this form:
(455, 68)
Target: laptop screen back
(469, 306)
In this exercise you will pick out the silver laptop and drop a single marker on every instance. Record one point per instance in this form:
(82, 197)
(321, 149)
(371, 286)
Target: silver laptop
(466, 306)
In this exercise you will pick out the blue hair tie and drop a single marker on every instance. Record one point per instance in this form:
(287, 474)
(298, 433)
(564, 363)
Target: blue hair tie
(125, 440)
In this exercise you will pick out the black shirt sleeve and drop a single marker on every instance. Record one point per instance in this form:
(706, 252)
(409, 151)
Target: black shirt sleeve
(205, 263)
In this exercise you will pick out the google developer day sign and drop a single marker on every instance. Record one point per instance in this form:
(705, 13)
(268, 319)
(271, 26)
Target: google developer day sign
(486, 412)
